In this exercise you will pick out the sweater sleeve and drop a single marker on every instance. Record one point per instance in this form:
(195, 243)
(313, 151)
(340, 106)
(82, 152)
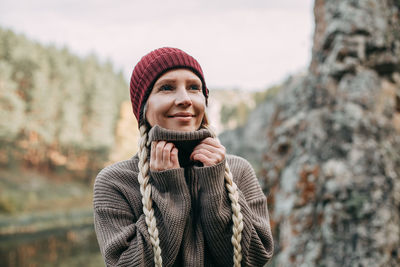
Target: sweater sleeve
(120, 223)
(216, 213)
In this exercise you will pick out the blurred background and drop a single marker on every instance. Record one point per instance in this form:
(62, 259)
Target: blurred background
(307, 91)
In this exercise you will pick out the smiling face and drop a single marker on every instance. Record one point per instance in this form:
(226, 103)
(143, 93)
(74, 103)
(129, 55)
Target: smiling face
(176, 101)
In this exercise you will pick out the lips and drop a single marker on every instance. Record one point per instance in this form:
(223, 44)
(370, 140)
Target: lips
(182, 115)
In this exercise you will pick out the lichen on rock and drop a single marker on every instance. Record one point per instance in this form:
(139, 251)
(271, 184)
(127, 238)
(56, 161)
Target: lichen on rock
(331, 161)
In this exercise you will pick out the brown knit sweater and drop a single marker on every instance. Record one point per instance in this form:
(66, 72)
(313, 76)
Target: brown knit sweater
(192, 210)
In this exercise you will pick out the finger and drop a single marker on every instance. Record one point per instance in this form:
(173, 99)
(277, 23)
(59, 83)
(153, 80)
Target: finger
(207, 153)
(166, 157)
(159, 152)
(153, 155)
(211, 141)
(207, 157)
(174, 158)
(204, 159)
(218, 153)
(219, 150)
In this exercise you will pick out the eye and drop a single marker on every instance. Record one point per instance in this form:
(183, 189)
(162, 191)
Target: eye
(194, 87)
(165, 87)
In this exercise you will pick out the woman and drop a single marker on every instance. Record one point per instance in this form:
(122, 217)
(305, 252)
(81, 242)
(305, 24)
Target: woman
(181, 201)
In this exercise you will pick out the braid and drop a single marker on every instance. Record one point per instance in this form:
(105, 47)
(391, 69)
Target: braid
(237, 216)
(145, 190)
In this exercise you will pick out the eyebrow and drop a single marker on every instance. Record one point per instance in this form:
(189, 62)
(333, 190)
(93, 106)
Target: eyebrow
(166, 81)
(174, 81)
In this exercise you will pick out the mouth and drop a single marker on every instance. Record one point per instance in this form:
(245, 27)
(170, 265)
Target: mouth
(182, 115)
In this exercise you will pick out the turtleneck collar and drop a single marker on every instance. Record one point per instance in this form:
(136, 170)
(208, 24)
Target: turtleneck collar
(185, 142)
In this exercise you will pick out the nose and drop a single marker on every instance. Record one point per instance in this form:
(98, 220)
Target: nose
(182, 97)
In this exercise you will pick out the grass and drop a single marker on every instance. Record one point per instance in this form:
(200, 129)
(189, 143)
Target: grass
(46, 221)
(28, 192)
(32, 202)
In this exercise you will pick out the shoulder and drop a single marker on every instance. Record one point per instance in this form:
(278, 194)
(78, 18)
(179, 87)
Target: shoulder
(119, 173)
(118, 169)
(238, 165)
(244, 176)
(117, 186)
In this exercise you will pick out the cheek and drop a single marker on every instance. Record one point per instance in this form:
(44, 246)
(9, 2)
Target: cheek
(200, 108)
(152, 110)
(199, 104)
(157, 108)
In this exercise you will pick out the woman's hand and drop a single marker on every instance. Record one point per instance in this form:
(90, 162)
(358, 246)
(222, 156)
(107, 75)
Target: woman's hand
(209, 152)
(163, 156)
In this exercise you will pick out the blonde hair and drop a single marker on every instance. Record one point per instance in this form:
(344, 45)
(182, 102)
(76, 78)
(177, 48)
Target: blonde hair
(145, 190)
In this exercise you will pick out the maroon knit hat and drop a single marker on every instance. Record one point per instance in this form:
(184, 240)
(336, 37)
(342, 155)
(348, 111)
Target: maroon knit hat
(151, 67)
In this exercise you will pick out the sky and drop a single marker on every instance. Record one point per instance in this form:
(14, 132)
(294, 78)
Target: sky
(249, 45)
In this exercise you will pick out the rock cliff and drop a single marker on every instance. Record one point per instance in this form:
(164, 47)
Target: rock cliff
(331, 144)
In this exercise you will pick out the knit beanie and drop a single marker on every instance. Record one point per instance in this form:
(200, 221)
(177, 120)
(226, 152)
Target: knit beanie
(151, 67)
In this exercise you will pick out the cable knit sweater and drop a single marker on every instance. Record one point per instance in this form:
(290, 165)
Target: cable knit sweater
(192, 210)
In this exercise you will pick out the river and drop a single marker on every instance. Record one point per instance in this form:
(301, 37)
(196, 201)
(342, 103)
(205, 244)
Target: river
(64, 247)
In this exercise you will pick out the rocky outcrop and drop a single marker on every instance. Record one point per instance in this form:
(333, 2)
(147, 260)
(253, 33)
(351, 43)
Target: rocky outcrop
(331, 166)
(333, 163)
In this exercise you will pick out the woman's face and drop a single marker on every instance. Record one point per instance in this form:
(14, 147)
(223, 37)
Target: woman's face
(176, 101)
